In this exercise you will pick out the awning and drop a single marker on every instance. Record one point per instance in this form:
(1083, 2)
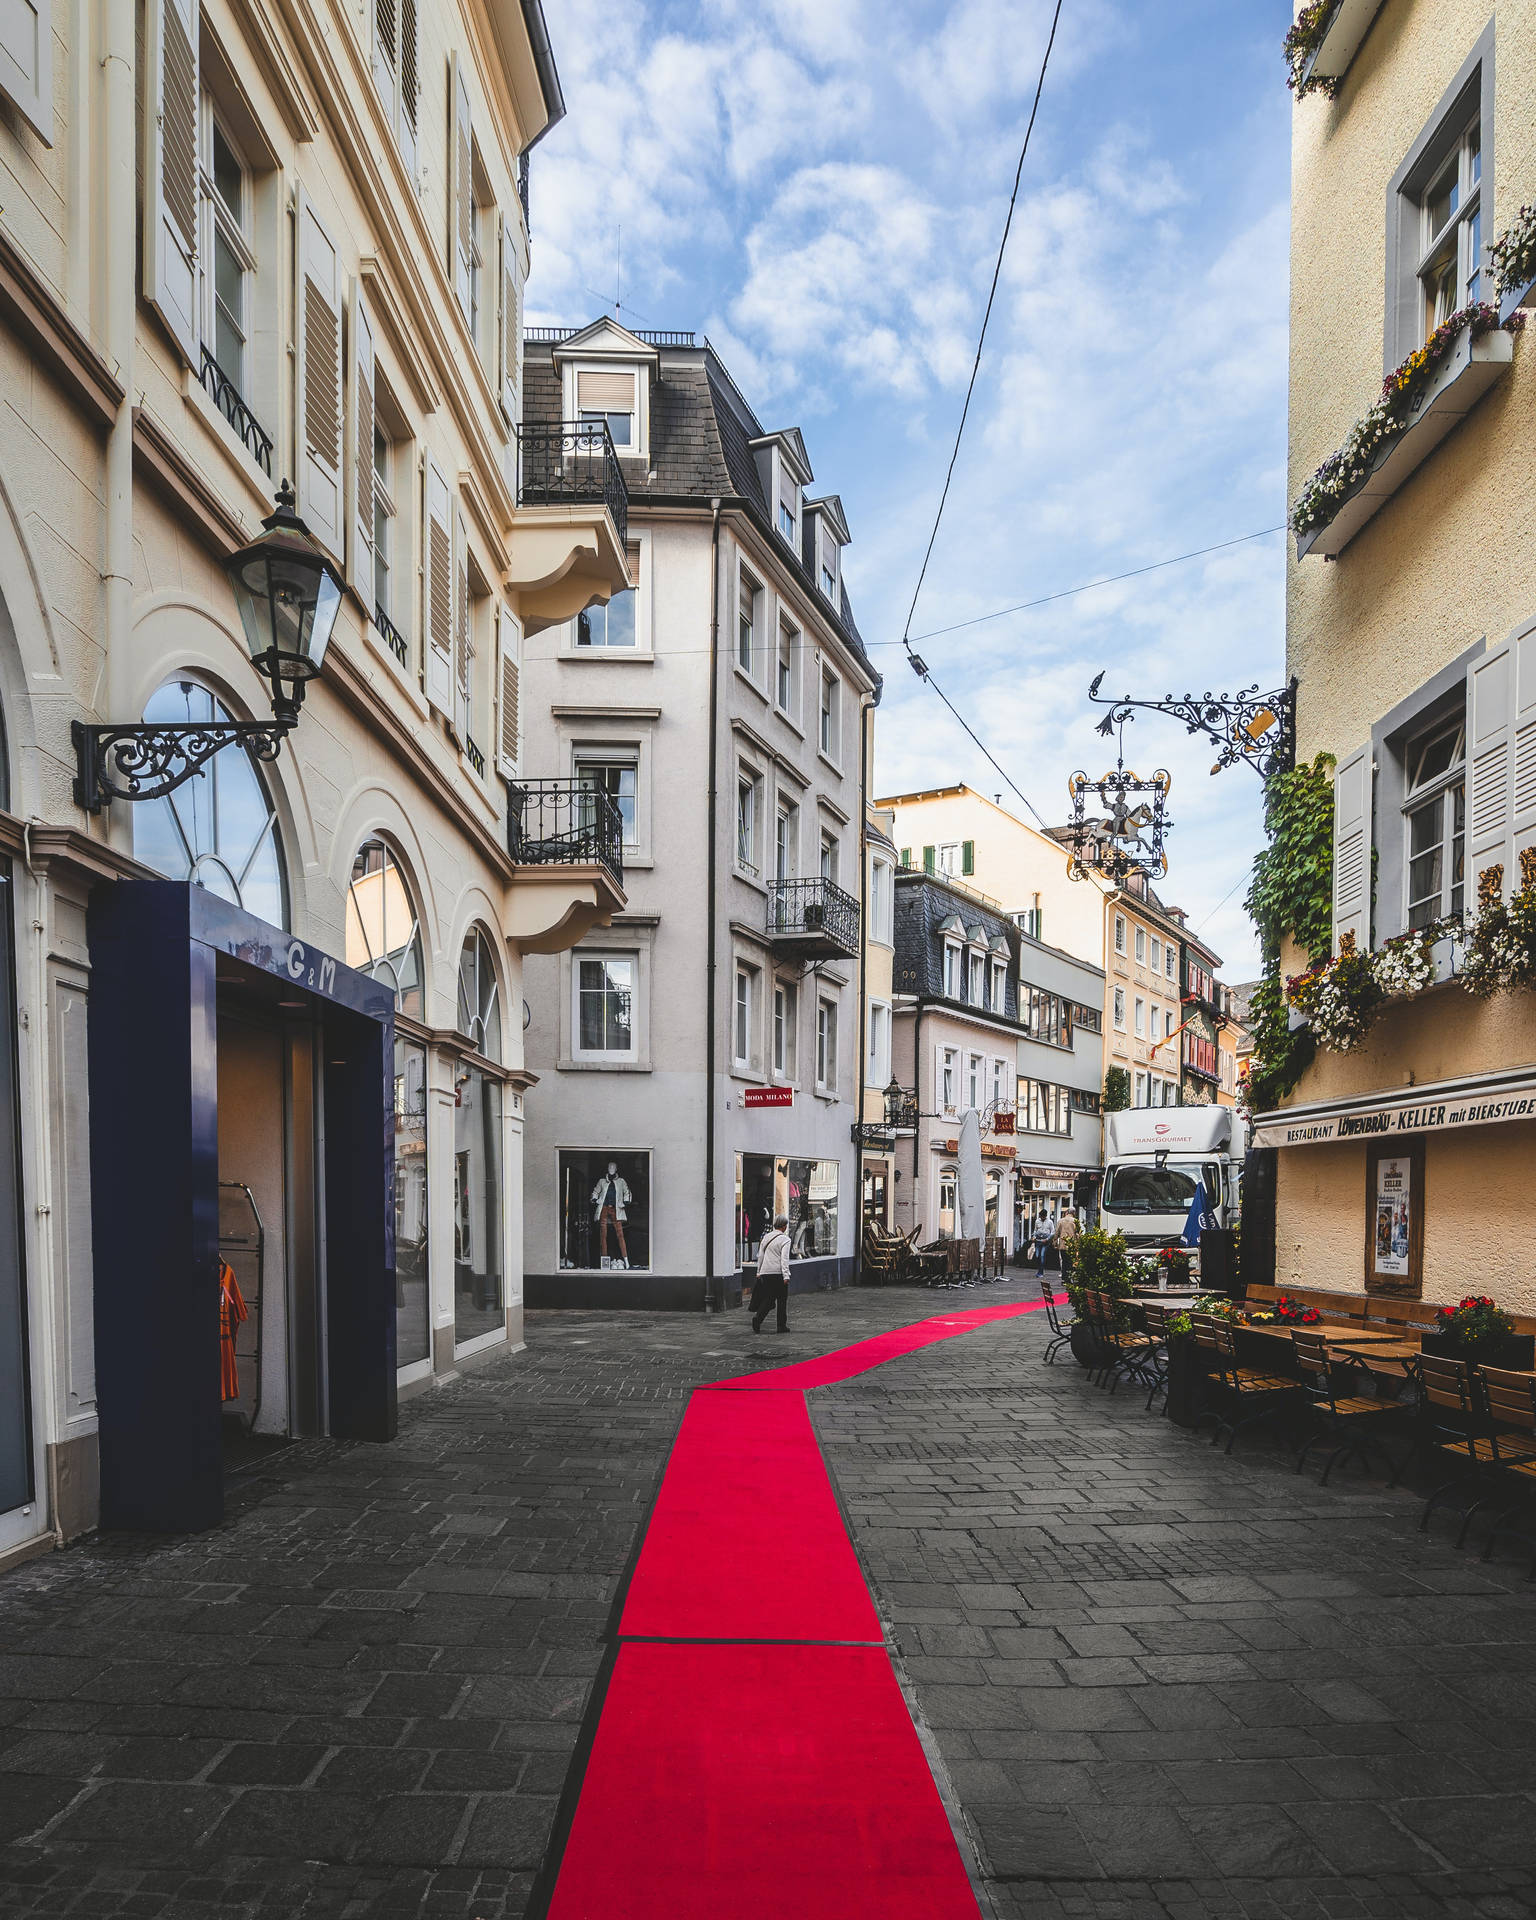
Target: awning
(1443, 1106)
(1054, 1179)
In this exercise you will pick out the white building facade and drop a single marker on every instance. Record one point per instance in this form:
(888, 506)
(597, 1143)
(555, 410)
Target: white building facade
(270, 1020)
(705, 1048)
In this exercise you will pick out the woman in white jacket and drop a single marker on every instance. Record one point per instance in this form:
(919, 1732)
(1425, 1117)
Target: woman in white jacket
(772, 1287)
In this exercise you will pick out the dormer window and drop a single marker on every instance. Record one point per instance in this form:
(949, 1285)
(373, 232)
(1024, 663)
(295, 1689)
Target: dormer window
(608, 399)
(788, 509)
(828, 584)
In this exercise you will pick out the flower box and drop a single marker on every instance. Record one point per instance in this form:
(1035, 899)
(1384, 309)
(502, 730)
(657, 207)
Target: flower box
(1469, 369)
(1339, 45)
(1516, 1351)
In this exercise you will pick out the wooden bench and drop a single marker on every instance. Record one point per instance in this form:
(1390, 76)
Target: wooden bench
(1371, 1310)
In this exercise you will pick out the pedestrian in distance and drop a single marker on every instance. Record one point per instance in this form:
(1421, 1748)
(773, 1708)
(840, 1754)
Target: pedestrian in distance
(1066, 1237)
(1043, 1233)
(772, 1289)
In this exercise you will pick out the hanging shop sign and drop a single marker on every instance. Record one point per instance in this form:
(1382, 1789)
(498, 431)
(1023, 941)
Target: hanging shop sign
(768, 1097)
(1447, 1107)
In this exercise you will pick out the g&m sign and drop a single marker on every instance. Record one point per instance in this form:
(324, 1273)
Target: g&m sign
(317, 971)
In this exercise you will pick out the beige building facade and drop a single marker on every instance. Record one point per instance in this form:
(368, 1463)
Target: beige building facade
(315, 273)
(1403, 1166)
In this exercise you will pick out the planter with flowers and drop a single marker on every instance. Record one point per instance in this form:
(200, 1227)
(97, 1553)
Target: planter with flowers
(1325, 38)
(1173, 1266)
(1295, 1313)
(1420, 401)
(1339, 998)
(1499, 954)
(1478, 1330)
(1513, 259)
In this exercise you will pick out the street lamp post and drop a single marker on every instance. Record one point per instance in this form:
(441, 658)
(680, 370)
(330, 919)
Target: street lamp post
(288, 593)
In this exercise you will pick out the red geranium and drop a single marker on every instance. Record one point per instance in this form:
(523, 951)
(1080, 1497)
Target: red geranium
(1295, 1312)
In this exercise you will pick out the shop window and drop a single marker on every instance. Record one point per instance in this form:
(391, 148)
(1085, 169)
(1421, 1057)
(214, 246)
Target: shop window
(218, 829)
(604, 1200)
(605, 1006)
(806, 1191)
(479, 1013)
(412, 1301)
(478, 1263)
(383, 937)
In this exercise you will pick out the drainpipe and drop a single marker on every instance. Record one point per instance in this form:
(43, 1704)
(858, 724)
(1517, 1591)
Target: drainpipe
(863, 1037)
(119, 280)
(714, 1298)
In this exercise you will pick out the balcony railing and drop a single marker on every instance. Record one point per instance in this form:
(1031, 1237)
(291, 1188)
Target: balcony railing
(559, 823)
(569, 461)
(394, 639)
(813, 917)
(225, 395)
(474, 756)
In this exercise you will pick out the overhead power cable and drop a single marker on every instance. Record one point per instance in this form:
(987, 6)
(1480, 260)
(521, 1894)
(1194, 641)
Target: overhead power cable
(1013, 200)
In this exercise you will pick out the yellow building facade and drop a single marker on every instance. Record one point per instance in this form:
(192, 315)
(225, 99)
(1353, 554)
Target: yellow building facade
(1403, 1164)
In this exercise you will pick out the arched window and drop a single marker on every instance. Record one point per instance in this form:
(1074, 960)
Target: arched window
(218, 829)
(383, 933)
(479, 1005)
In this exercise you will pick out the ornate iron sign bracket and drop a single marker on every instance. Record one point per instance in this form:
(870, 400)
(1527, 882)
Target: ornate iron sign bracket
(1256, 728)
(147, 762)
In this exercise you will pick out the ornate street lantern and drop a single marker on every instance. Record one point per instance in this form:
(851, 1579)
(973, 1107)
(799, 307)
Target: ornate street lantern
(289, 594)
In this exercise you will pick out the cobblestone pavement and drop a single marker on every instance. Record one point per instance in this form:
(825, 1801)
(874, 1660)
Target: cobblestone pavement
(1155, 1681)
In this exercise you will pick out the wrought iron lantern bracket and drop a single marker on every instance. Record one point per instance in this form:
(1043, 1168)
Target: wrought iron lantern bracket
(147, 762)
(1258, 729)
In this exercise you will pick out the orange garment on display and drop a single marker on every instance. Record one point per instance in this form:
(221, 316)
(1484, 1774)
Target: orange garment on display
(232, 1311)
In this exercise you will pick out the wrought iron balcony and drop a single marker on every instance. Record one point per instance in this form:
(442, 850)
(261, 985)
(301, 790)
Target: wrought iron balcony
(813, 918)
(396, 641)
(560, 823)
(226, 396)
(569, 462)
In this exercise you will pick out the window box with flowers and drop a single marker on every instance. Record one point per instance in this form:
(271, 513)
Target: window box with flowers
(1340, 998)
(1322, 43)
(1499, 953)
(1421, 401)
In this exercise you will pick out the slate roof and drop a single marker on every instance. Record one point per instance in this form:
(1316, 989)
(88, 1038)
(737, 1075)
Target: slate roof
(923, 902)
(700, 433)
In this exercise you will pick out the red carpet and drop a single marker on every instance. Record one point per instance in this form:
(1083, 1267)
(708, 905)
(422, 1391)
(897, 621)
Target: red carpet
(746, 1541)
(759, 1783)
(829, 1368)
(746, 1779)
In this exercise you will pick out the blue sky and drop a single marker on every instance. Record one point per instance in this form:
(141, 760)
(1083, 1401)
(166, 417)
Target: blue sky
(819, 185)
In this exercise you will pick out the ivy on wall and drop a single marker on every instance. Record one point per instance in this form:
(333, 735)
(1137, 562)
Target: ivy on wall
(1291, 897)
(1117, 1090)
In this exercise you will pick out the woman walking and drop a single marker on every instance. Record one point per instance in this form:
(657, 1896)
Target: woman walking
(772, 1289)
(1066, 1242)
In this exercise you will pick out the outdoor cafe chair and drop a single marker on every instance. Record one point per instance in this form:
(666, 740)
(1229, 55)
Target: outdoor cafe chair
(1126, 1352)
(1156, 1315)
(1061, 1331)
(1510, 1399)
(1347, 1421)
(1247, 1394)
(1454, 1423)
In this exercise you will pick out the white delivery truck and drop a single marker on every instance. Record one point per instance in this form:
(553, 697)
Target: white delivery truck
(1152, 1158)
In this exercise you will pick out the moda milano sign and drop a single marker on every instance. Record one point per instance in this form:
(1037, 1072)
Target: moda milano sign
(1425, 1110)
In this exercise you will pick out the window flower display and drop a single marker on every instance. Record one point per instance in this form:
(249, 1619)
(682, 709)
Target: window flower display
(1513, 255)
(1303, 40)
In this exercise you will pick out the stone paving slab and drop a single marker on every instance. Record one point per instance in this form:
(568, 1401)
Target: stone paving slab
(1157, 1682)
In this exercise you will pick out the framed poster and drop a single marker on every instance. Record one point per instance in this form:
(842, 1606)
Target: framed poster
(1394, 1218)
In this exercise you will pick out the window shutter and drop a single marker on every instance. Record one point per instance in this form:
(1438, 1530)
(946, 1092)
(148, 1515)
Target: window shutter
(171, 170)
(1523, 826)
(26, 62)
(928, 860)
(437, 570)
(511, 322)
(463, 645)
(967, 856)
(410, 86)
(509, 718)
(319, 381)
(386, 53)
(1490, 811)
(363, 419)
(461, 211)
(605, 393)
(906, 857)
(1352, 849)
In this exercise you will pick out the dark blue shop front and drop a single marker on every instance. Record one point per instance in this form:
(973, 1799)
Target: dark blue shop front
(242, 1110)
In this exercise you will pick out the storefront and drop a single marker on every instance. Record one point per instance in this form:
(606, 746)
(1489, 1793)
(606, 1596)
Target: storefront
(806, 1191)
(243, 1090)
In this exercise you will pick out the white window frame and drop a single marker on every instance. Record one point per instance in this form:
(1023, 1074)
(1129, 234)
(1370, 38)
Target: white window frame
(1120, 933)
(1157, 954)
(639, 440)
(949, 1079)
(1450, 270)
(999, 1000)
(831, 858)
(826, 1045)
(1119, 1009)
(786, 1029)
(786, 670)
(954, 970)
(1171, 961)
(829, 723)
(217, 219)
(751, 600)
(1141, 1018)
(593, 754)
(878, 1066)
(744, 993)
(882, 902)
(975, 978)
(1444, 794)
(605, 957)
(639, 645)
(1141, 946)
(786, 839)
(750, 782)
(975, 1081)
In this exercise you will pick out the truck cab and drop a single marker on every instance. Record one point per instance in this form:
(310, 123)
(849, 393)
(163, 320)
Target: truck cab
(1153, 1157)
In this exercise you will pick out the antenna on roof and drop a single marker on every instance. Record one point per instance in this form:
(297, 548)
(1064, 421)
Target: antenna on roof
(618, 303)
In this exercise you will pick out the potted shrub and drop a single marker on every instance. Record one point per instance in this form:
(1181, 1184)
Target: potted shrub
(1100, 1264)
(1477, 1329)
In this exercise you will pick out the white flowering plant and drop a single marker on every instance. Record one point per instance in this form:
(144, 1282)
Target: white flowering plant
(1303, 40)
(1406, 965)
(1341, 997)
(1513, 254)
(1501, 936)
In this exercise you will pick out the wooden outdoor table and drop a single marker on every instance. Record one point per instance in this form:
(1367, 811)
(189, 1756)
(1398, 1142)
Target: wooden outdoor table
(1387, 1355)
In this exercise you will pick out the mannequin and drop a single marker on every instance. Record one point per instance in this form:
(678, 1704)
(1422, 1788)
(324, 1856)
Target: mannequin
(610, 1201)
